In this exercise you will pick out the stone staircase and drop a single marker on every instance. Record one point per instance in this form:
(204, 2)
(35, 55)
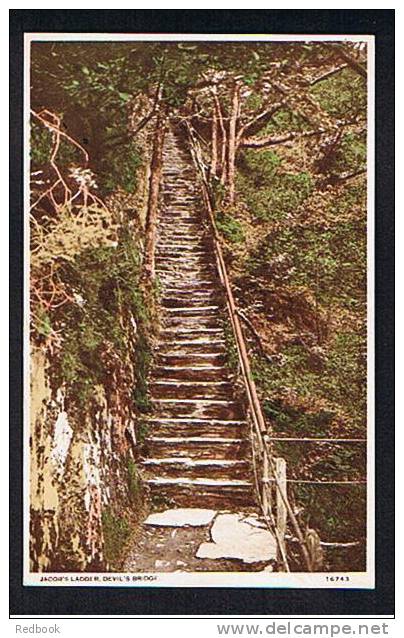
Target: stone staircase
(197, 448)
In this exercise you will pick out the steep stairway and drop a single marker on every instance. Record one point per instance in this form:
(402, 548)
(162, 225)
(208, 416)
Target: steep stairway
(197, 448)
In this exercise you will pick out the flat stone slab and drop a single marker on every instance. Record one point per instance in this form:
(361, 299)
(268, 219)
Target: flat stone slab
(238, 536)
(181, 517)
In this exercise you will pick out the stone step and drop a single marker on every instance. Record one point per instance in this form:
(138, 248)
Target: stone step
(171, 225)
(196, 346)
(178, 237)
(198, 256)
(198, 450)
(190, 389)
(191, 334)
(198, 408)
(192, 339)
(204, 310)
(194, 246)
(171, 229)
(179, 222)
(195, 255)
(196, 447)
(176, 218)
(190, 302)
(171, 359)
(208, 428)
(186, 209)
(188, 373)
(191, 323)
(173, 285)
(186, 203)
(182, 295)
(229, 469)
(187, 284)
(209, 493)
(189, 261)
(187, 270)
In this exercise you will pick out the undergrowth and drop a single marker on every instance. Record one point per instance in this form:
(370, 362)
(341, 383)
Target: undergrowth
(116, 532)
(108, 314)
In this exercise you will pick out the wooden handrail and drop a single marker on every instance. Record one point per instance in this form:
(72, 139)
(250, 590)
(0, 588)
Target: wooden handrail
(258, 418)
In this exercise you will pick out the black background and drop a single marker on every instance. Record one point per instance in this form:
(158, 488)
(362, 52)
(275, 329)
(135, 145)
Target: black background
(217, 601)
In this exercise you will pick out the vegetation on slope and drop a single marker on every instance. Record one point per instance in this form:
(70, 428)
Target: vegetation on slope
(295, 239)
(283, 132)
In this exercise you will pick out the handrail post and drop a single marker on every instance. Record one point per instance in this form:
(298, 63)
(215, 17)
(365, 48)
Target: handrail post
(266, 486)
(281, 512)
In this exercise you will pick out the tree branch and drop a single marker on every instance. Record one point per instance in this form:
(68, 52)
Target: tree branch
(275, 140)
(343, 177)
(260, 119)
(354, 64)
(328, 74)
(256, 335)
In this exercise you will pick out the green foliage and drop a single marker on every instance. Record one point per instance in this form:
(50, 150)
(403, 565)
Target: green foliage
(116, 531)
(120, 169)
(40, 144)
(345, 520)
(343, 95)
(42, 322)
(270, 193)
(284, 121)
(345, 156)
(231, 347)
(351, 154)
(142, 364)
(328, 261)
(261, 167)
(91, 87)
(292, 421)
(339, 375)
(134, 482)
(347, 360)
(105, 281)
(229, 227)
(143, 429)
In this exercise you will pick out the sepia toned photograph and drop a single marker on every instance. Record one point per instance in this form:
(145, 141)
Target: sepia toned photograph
(199, 311)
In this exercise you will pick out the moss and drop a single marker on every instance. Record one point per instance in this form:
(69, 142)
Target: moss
(143, 357)
(160, 502)
(134, 482)
(142, 431)
(116, 532)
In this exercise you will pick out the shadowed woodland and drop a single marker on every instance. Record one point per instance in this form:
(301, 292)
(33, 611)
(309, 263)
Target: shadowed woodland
(279, 130)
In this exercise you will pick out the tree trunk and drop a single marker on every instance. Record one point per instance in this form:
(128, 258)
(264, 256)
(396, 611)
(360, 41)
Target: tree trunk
(154, 189)
(213, 165)
(232, 144)
(219, 119)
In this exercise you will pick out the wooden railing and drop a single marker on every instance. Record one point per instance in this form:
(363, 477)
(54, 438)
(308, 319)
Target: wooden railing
(270, 472)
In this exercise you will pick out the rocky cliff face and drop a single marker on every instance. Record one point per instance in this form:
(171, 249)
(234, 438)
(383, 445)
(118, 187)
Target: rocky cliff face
(82, 479)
